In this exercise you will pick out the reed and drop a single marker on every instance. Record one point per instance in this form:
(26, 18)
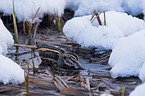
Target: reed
(24, 28)
(58, 21)
(33, 63)
(26, 82)
(14, 23)
(123, 90)
(28, 63)
(98, 17)
(30, 24)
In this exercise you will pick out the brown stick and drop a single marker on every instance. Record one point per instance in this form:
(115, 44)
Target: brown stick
(35, 31)
(22, 45)
(24, 26)
(98, 18)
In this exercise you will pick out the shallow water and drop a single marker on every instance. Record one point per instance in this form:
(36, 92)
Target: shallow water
(97, 73)
(94, 67)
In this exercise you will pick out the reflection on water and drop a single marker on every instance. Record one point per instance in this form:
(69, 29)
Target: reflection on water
(37, 60)
(24, 58)
(93, 71)
(93, 67)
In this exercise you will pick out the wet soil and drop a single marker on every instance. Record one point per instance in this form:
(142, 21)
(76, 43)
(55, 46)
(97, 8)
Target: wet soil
(43, 81)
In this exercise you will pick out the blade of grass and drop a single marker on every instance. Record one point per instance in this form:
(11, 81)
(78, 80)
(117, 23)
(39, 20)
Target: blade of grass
(62, 81)
(123, 90)
(104, 18)
(47, 49)
(24, 26)
(88, 85)
(2, 91)
(59, 24)
(22, 45)
(26, 82)
(13, 5)
(15, 31)
(14, 22)
(58, 21)
(15, 27)
(33, 64)
(92, 15)
(42, 83)
(98, 18)
(28, 62)
(30, 26)
(35, 31)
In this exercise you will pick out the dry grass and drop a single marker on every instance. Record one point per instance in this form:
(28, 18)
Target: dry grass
(14, 23)
(26, 82)
(95, 13)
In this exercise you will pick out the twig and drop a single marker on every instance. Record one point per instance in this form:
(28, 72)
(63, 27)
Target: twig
(26, 82)
(30, 26)
(24, 26)
(97, 16)
(22, 45)
(35, 31)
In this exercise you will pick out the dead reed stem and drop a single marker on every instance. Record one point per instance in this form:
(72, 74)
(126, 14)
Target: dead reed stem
(26, 82)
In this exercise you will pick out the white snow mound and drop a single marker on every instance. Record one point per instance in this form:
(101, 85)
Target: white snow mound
(90, 34)
(73, 4)
(10, 72)
(82, 7)
(6, 39)
(138, 91)
(127, 57)
(25, 9)
(88, 6)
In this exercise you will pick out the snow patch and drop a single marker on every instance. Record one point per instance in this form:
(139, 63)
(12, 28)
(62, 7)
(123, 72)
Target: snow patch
(10, 72)
(127, 57)
(25, 9)
(99, 5)
(90, 34)
(138, 91)
(6, 39)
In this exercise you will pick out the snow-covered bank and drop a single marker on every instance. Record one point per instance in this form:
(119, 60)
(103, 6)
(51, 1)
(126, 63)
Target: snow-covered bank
(88, 6)
(127, 57)
(10, 72)
(133, 7)
(124, 34)
(6, 39)
(25, 9)
(73, 4)
(90, 34)
(138, 91)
